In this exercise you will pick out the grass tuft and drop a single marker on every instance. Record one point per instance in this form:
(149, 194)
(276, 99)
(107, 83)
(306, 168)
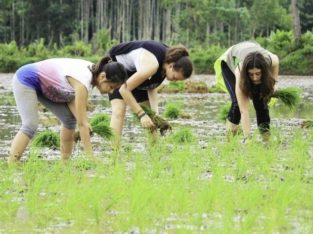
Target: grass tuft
(183, 135)
(172, 110)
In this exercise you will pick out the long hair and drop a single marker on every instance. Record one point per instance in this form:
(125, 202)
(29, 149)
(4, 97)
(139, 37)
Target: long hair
(115, 72)
(180, 57)
(257, 60)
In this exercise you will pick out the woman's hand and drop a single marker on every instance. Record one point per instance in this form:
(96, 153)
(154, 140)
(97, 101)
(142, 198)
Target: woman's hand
(146, 122)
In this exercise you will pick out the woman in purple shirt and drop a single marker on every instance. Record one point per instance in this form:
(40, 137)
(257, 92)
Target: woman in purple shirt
(62, 85)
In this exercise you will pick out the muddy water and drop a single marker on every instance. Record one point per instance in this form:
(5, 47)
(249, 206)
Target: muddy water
(202, 108)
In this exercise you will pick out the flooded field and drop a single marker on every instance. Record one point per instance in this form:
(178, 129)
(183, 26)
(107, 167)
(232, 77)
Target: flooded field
(199, 186)
(202, 109)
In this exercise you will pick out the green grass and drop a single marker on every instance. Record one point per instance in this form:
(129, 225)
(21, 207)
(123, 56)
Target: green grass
(171, 188)
(173, 110)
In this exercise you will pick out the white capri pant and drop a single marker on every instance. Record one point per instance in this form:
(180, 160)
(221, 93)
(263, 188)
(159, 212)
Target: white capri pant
(27, 98)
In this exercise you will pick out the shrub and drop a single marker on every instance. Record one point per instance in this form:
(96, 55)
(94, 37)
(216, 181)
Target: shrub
(37, 49)
(101, 41)
(79, 48)
(297, 63)
(203, 59)
(280, 43)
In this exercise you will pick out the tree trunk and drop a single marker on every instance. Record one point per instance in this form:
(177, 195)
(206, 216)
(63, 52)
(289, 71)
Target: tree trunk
(13, 22)
(296, 21)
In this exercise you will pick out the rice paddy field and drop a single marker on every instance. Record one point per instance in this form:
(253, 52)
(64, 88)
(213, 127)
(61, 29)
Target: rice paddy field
(192, 180)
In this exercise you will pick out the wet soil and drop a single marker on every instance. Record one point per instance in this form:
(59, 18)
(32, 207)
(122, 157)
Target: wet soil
(201, 108)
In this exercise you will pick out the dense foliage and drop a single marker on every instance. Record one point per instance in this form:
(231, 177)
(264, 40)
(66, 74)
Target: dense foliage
(174, 21)
(32, 30)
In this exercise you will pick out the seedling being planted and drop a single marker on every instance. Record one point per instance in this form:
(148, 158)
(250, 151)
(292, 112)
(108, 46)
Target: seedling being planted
(46, 138)
(161, 124)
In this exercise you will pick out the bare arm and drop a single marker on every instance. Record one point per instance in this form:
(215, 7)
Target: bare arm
(149, 66)
(275, 65)
(79, 109)
(243, 102)
(153, 99)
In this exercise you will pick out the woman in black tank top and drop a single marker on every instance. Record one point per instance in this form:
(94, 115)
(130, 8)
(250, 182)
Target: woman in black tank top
(155, 63)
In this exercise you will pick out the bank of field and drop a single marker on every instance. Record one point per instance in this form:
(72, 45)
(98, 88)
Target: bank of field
(172, 188)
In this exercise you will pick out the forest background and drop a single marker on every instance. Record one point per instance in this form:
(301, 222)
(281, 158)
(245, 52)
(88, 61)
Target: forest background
(32, 30)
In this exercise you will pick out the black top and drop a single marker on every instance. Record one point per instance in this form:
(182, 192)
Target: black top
(156, 48)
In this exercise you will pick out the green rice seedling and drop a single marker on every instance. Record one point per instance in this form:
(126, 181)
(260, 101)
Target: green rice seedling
(223, 111)
(83, 163)
(173, 110)
(289, 96)
(215, 89)
(7, 100)
(179, 85)
(307, 124)
(161, 124)
(99, 117)
(100, 125)
(173, 87)
(183, 135)
(196, 87)
(47, 138)
(103, 130)
(222, 188)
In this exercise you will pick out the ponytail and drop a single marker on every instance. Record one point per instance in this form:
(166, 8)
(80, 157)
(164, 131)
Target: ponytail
(180, 57)
(175, 53)
(115, 72)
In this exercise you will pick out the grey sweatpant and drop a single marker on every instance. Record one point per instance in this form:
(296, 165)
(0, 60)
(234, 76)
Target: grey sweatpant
(27, 98)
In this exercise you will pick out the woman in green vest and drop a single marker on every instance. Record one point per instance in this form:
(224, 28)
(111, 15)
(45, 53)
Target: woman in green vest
(248, 71)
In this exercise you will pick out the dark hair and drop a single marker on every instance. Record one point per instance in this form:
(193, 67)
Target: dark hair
(115, 72)
(257, 60)
(180, 57)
